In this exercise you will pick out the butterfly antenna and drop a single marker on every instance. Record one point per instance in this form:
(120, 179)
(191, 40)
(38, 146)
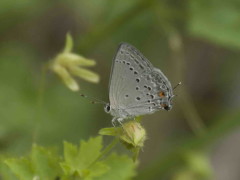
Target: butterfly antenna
(177, 85)
(93, 100)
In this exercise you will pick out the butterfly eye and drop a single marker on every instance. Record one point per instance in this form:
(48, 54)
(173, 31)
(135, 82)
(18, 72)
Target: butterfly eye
(107, 108)
(161, 94)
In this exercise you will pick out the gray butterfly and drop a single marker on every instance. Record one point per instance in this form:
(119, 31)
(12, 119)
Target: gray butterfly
(136, 87)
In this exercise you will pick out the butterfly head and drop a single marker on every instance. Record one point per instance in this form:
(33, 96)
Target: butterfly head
(107, 108)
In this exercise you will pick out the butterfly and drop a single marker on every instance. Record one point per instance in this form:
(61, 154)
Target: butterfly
(136, 87)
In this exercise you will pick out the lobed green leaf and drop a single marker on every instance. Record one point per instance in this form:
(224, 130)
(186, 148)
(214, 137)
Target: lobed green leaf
(21, 168)
(121, 168)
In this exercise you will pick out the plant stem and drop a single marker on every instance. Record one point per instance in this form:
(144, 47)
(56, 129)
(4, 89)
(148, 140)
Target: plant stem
(40, 101)
(106, 150)
(177, 51)
(185, 103)
(42, 84)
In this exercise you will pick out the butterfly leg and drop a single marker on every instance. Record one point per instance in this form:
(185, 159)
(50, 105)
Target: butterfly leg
(120, 120)
(116, 121)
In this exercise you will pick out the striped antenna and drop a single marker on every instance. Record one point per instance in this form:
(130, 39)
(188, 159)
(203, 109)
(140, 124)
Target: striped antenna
(93, 100)
(177, 85)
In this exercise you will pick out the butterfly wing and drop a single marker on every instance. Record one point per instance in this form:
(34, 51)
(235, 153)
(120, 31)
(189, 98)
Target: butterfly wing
(134, 83)
(127, 68)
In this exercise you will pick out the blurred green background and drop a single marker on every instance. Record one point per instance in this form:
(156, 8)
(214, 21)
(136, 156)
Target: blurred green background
(196, 42)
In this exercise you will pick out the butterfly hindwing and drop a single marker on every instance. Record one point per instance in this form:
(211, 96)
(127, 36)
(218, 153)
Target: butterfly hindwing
(135, 84)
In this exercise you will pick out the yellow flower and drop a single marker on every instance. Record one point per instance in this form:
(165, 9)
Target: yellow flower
(69, 65)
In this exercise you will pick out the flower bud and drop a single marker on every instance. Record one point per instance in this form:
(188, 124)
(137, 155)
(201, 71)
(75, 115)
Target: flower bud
(133, 134)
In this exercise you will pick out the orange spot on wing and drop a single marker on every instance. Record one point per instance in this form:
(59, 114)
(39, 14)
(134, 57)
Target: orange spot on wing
(163, 105)
(161, 94)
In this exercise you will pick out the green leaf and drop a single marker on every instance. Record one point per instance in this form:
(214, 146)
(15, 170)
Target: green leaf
(21, 168)
(121, 168)
(42, 164)
(70, 154)
(45, 164)
(79, 163)
(96, 170)
(112, 131)
(216, 21)
(5, 172)
(89, 151)
(81, 160)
